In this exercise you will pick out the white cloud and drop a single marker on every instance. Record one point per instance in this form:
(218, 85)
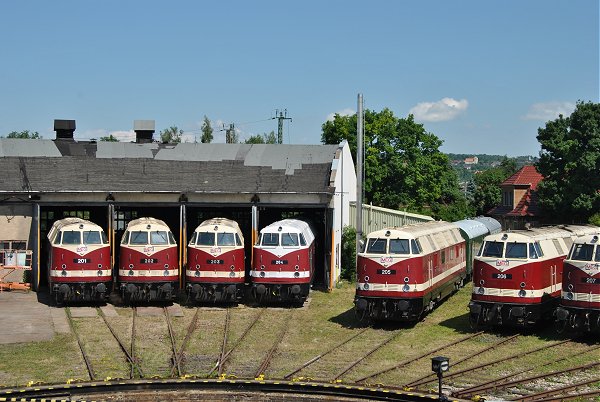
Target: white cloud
(442, 110)
(124, 136)
(343, 112)
(549, 110)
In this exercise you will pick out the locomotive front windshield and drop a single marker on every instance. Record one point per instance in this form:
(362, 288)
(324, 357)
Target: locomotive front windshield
(516, 250)
(142, 238)
(399, 246)
(289, 240)
(285, 240)
(583, 252)
(71, 237)
(499, 249)
(395, 246)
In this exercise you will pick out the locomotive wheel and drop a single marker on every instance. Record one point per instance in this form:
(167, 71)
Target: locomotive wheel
(474, 321)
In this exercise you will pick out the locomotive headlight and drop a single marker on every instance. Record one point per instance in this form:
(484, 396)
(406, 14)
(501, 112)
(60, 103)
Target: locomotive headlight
(406, 279)
(166, 266)
(99, 272)
(296, 274)
(366, 278)
(232, 267)
(522, 293)
(570, 287)
(231, 274)
(197, 267)
(570, 295)
(366, 286)
(481, 290)
(262, 274)
(64, 266)
(99, 266)
(262, 267)
(522, 285)
(296, 267)
(131, 272)
(64, 272)
(197, 273)
(481, 282)
(130, 266)
(405, 288)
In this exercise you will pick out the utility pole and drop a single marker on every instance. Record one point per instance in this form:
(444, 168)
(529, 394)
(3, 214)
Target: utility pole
(359, 170)
(281, 116)
(230, 134)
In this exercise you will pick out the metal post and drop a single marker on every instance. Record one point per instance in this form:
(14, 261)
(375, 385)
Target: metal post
(359, 171)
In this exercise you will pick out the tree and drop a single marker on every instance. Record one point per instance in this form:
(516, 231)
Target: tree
(488, 193)
(25, 134)
(570, 162)
(404, 168)
(264, 138)
(171, 135)
(207, 131)
(109, 138)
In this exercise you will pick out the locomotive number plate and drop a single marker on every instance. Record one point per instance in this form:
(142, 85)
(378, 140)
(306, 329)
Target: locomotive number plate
(217, 262)
(81, 260)
(148, 260)
(591, 281)
(279, 262)
(386, 271)
(502, 276)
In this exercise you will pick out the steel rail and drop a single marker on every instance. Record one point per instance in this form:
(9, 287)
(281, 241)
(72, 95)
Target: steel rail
(316, 358)
(221, 363)
(224, 344)
(369, 353)
(469, 357)
(569, 397)
(466, 392)
(175, 357)
(265, 364)
(134, 314)
(413, 359)
(86, 359)
(514, 356)
(553, 392)
(190, 330)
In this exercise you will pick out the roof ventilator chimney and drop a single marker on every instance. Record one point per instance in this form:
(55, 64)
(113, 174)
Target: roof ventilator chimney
(64, 129)
(144, 129)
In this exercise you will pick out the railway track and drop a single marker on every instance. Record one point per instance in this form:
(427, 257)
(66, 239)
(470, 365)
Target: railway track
(190, 330)
(175, 362)
(260, 372)
(86, 359)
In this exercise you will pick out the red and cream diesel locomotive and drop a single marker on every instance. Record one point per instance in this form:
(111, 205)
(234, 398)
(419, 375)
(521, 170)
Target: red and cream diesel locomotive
(79, 261)
(404, 272)
(580, 298)
(283, 262)
(148, 261)
(216, 262)
(517, 275)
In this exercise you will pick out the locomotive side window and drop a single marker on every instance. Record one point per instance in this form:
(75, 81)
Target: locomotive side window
(193, 238)
(90, 237)
(206, 239)
(159, 237)
(289, 240)
(225, 239)
(415, 247)
(597, 259)
(138, 237)
(493, 249)
(238, 240)
(58, 238)
(376, 246)
(71, 237)
(516, 250)
(399, 246)
(582, 252)
(172, 238)
(533, 252)
(538, 249)
(302, 240)
(125, 239)
(270, 239)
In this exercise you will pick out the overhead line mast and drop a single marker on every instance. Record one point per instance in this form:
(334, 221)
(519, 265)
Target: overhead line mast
(281, 116)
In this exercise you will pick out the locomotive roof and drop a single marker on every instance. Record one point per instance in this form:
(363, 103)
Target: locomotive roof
(290, 226)
(145, 222)
(84, 166)
(588, 238)
(72, 224)
(415, 229)
(226, 223)
(544, 233)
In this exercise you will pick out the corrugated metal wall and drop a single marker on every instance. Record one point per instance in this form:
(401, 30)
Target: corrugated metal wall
(375, 218)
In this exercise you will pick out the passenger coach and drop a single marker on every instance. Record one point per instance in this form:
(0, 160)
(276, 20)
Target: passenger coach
(404, 272)
(79, 262)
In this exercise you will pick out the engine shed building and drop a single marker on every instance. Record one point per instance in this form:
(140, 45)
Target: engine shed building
(111, 183)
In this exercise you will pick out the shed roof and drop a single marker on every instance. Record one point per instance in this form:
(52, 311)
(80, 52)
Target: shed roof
(69, 166)
(527, 175)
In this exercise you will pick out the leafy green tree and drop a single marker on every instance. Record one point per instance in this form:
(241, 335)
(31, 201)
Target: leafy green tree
(404, 168)
(207, 131)
(264, 138)
(348, 254)
(488, 193)
(570, 162)
(171, 135)
(109, 138)
(25, 134)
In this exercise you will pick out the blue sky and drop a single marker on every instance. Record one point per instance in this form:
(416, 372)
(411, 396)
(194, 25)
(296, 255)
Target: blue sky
(481, 75)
